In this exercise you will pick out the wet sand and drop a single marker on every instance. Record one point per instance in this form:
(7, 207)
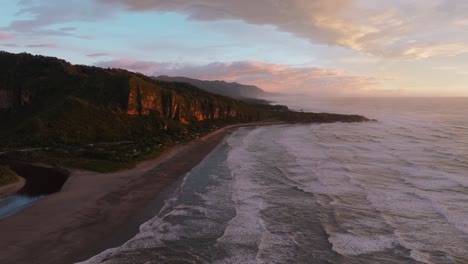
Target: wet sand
(96, 211)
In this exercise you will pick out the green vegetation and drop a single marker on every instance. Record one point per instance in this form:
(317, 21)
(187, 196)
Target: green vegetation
(109, 119)
(7, 176)
(111, 156)
(48, 102)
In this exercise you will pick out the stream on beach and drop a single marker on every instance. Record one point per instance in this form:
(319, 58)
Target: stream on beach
(392, 191)
(14, 203)
(40, 182)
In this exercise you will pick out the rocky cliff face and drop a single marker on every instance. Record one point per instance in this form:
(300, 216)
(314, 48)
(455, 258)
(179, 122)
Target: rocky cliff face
(142, 100)
(48, 99)
(170, 105)
(6, 100)
(145, 100)
(10, 99)
(203, 112)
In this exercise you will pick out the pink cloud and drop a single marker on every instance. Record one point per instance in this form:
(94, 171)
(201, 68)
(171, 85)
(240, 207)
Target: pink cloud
(10, 45)
(386, 29)
(68, 28)
(271, 77)
(45, 45)
(35, 17)
(145, 67)
(6, 36)
(99, 54)
(281, 78)
(395, 29)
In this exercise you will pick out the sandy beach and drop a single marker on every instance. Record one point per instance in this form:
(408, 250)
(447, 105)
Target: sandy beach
(12, 188)
(96, 211)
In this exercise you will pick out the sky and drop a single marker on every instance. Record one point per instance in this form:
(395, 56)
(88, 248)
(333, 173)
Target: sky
(314, 47)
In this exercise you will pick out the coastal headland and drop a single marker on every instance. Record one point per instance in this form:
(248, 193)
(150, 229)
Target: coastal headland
(138, 135)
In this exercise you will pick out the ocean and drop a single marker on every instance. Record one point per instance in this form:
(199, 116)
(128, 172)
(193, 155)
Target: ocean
(390, 191)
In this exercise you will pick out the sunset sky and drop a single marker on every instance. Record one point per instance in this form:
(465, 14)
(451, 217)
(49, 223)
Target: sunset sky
(317, 47)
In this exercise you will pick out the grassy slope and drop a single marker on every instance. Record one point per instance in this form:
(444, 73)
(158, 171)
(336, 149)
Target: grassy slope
(7, 176)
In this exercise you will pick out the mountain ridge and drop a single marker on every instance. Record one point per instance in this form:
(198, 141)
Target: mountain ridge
(230, 89)
(36, 90)
(104, 120)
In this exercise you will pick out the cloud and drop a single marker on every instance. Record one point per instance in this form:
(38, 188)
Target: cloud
(386, 29)
(101, 54)
(401, 29)
(46, 45)
(68, 28)
(36, 16)
(272, 77)
(453, 69)
(6, 36)
(436, 50)
(146, 67)
(12, 45)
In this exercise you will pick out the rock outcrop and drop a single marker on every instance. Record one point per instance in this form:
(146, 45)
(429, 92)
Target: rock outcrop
(39, 95)
(47, 101)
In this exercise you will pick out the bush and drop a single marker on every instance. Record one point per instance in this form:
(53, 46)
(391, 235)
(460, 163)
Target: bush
(7, 176)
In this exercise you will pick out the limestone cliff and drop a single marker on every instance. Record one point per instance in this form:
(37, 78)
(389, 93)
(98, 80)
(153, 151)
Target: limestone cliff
(48, 98)
(46, 101)
(147, 99)
(6, 99)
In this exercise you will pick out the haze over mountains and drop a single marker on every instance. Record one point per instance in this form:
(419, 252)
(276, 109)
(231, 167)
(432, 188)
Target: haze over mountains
(231, 89)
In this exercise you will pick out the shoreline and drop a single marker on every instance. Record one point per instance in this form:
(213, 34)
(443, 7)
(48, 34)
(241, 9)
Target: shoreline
(12, 188)
(95, 211)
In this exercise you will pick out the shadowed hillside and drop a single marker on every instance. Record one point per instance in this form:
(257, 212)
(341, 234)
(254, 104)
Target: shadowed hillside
(44, 99)
(234, 90)
(106, 119)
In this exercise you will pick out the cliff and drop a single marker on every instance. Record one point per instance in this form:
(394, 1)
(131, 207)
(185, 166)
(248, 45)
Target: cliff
(108, 119)
(45, 100)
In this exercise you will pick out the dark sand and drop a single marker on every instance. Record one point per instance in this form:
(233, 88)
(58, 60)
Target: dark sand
(12, 188)
(96, 211)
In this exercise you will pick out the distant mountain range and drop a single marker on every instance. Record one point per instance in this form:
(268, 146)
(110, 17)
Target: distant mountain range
(231, 89)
